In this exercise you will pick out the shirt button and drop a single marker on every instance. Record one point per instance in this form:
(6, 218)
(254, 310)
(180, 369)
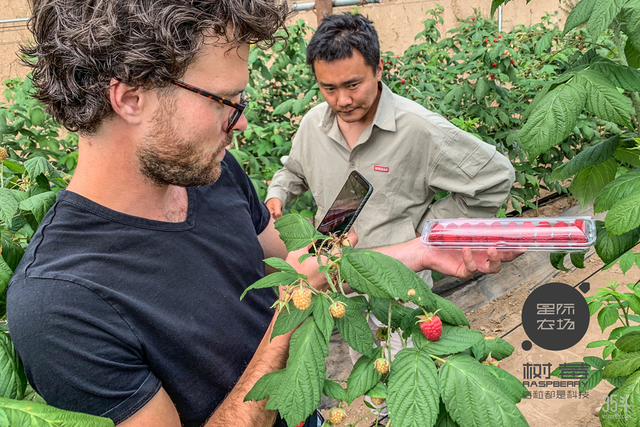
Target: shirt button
(352, 164)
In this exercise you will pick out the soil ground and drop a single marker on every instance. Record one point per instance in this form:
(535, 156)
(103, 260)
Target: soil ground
(502, 317)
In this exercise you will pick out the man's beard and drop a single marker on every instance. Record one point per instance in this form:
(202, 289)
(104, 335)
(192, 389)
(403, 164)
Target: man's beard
(167, 159)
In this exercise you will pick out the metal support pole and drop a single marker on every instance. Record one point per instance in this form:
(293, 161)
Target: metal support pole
(301, 7)
(500, 18)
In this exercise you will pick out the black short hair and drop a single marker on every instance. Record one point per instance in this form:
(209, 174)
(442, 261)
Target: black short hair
(338, 35)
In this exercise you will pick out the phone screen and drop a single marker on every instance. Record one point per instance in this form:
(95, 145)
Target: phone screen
(345, 209)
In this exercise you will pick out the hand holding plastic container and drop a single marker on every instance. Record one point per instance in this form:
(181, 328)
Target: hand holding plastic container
(565, 234)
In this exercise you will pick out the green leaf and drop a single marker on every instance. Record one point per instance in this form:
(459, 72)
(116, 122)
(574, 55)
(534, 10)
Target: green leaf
(449, 312)
(334, 391)
(579, 15)
(296, 232)
(630, 156)
(593, 155)
(27, 413)
(594, 306)
(482, 88)
(629, 392)
(283, 108)
(631, 17)
(577, 259)
(617, 190)
(413, 389)
(379, 275)
(607, 317)
(594, 377)
(380, 308)
(499, 348)
(595, 362)
(281, 265)
(599, 343)
(13, 380)
(379, 390)
(588, 183)
(272, 280)
(622, 76)
(629, 342)
(8, 206)
(323, 317)
(37, 165)
(11, 251)
(610, 247)
(544, 43)
(364, 376)
(634, 303)
(444, 419)
(624, 216)
(454, 339)
(299, 394)
(623, 365)
(262, 388)
(510, 385)
(557, 260)
(626, 262)
(553, 119)
(603, 14)
(472, 398)
(603, 99)
(5, 276)
(289, 319)
(633, 54)
(354, 329)
(39, 204)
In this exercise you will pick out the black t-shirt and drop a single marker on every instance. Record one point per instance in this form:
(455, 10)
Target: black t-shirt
(105, 308)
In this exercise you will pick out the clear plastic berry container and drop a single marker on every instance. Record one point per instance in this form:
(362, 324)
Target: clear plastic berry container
(565, 234)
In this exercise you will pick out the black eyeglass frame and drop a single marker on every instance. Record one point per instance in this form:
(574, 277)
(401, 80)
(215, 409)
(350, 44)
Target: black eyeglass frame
(237, 106)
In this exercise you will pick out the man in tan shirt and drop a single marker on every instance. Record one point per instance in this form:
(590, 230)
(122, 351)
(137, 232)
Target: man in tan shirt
(405, 151)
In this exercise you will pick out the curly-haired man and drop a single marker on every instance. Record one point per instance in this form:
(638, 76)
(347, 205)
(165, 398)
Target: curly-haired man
(126, 303)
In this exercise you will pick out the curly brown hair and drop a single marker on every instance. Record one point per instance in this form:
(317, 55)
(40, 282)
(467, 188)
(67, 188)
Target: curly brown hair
(80, 45)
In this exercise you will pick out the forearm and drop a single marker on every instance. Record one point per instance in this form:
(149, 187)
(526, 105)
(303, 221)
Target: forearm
(286, 184)
(269, 357)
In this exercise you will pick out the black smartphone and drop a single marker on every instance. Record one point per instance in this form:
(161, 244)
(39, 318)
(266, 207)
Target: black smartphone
(347, 206)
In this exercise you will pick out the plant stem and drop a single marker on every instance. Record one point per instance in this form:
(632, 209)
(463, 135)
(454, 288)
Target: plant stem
(389, 329)
(623, 310)
(635, 98)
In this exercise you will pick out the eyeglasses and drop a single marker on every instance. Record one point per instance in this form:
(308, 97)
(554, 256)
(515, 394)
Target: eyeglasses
(237, 106)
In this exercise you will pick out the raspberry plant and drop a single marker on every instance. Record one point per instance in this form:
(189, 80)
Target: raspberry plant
(433, 383)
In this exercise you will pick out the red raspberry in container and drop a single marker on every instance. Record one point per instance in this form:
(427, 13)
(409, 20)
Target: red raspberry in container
(578, 237)
(480, 235)
(544, 232)
(451, 234)
(436, 234)
(512, 233)
(544, 224)
(561, 233)
(495, 232)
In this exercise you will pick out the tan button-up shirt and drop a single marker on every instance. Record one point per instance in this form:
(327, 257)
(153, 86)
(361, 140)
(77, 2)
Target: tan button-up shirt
(408, 154)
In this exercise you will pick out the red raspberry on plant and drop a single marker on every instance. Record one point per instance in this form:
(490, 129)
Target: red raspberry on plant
(337, 415)
(430, 325)
(402, 81)
(492, 77)
(486, 40)
(495, 40)
(382, 365)
(301, 298)
(473, 18)
(491, 361)
(494, 65)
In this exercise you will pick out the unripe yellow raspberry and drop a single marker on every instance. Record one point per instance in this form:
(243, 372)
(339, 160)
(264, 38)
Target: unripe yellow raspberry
(337, 416)
(3, 154)
(382, 365)
(337, 310)
(378, 400)
(302, 299)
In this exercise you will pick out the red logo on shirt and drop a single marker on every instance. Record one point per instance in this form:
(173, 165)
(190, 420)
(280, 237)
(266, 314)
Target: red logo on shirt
(381, 168)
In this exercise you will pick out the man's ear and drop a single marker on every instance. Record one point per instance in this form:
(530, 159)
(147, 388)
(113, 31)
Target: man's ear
(127, 101)
(379, 69)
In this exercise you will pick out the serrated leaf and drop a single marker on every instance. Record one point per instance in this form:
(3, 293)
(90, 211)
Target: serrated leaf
(588, 183)
(454, 339)
(510, 385)
(444, 419)
(610, 247)
(544, 43)
(634, 303)
(448, 311)
(379, 275)
(334, 391)
(607, 317)
(632, 54)
(629, 342)
(363, 378)
(482, 88)
(623, 365)
(599, 343)
(291, 318)
(281, 265)
(380, 308)
(39, 204)
(553, 119)
(577, 259)
(27, 413)
(603, 99)
(594, 377)
(542, 93)
(36, 166)
(594, 306)
(603, 14)
(8, 206)
(629, 392)
(630, 156)
(593, 155)
(594, 362)
(626, 262)
(5, 275)
(622, 76)
(631, 17)
(323, 317)
(11, 251)
(296, 232)
(283, 108)
(557, 260)
(579, 15)
(472, 398)
(499, 348)
(617, 190)
(413, 389)
(624, 215)
(379, 390)
(262, 388)
(272, 280)
(300, 392)
(13, 380)
(354, 329)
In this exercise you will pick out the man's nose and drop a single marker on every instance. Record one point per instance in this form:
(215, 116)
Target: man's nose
(344, 99)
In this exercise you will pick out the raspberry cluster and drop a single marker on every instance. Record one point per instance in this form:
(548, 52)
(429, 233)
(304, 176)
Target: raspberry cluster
(496, 232)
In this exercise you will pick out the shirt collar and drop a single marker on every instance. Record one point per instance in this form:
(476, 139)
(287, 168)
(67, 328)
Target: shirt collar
(385, 117)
